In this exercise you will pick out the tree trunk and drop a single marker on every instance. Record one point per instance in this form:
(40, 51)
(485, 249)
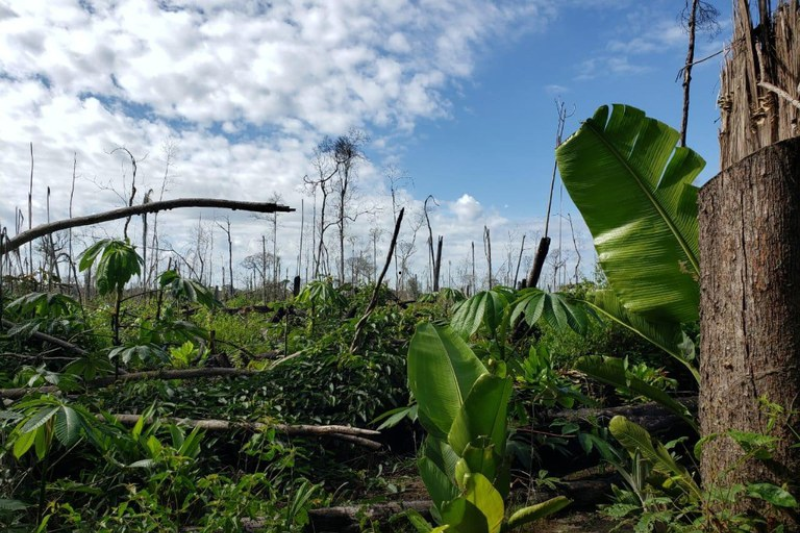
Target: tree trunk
(750, 315)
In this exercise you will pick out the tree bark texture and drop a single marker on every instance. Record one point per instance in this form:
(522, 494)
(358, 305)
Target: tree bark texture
(750, 313)
(759, 89)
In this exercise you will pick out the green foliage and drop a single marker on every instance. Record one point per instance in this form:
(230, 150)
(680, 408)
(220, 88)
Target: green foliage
(463, 463)
(559, 310)
(614, 371)
(118, 263)
(648, 242)
(186, 290)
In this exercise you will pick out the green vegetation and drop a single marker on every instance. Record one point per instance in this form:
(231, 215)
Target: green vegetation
(169, 410)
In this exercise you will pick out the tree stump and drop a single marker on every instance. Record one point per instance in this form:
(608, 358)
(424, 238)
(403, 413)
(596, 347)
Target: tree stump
(750, 315)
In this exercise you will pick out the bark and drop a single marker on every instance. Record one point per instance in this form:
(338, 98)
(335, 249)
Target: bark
(39, 231)
(350, 434)
(750, 314)
(765, 56)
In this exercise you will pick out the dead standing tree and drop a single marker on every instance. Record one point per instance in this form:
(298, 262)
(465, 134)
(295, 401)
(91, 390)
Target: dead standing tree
(750, 249)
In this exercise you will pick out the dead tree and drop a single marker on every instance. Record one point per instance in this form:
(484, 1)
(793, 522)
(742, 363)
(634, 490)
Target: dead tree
(750, 249)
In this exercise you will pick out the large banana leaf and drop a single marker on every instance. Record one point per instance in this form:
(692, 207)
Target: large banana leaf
(633, 188)
(441, 372)
(483, 414)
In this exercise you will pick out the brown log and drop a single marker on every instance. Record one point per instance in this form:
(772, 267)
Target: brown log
(351, 434)
(750, 317)
(10, 245)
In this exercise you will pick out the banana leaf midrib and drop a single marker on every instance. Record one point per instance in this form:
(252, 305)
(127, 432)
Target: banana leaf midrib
(654, 201)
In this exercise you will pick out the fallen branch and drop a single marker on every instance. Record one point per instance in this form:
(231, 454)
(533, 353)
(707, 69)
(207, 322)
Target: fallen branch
(9, 245)
(191, 373)
(49, 338)
(373, 302)
(350, 434)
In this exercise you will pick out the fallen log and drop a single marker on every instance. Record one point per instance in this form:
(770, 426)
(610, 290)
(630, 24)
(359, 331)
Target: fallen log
(347, 433)
(55, 341)
(652, 416)
(45, 229)
(571, 457)
(190, 373)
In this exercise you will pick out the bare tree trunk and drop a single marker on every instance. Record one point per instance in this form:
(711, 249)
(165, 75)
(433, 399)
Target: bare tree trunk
(30, 219)
(487, 248)
(474, 280)
(437, 265)
(687, 69)
(750, 318)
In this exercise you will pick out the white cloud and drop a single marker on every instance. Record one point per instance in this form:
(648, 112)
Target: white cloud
(466, 208)
(242, 90)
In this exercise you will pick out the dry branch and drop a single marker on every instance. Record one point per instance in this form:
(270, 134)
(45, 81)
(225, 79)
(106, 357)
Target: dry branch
(350, 434)
(39, 231)
(374, 300)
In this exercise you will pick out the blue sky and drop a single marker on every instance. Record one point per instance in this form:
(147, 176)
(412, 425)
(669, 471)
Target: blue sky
(458, 94)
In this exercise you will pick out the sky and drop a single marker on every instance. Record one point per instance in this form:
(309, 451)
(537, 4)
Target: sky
(459, 96)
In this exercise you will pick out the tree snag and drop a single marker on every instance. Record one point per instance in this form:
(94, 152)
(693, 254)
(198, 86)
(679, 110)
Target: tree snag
(750, 316)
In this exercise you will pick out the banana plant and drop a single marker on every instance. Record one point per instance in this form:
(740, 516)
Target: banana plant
(464, 463)
(634, 189)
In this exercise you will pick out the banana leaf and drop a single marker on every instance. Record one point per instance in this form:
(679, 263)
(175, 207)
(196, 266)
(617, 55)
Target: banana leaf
(668, 336)
(633, 188)
(441, 372)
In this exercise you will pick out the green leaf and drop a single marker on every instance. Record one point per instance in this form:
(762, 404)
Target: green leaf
(758, 445)
(482, 494)
(67, 426)
(12, 505)
(39, 418)
(464, 517)
(484, 414)
(771, 493)
(439, 486)
(441, 372)
(611, 370)
(486, 308)
(633, 188)
(536, 512)
(668, 336)
(558, 310)
(23, 443)
(636, 439)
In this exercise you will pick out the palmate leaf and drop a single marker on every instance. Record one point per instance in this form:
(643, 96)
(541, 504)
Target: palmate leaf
(633, 188)
(67, 426)
(484, 309)
(558, 310)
